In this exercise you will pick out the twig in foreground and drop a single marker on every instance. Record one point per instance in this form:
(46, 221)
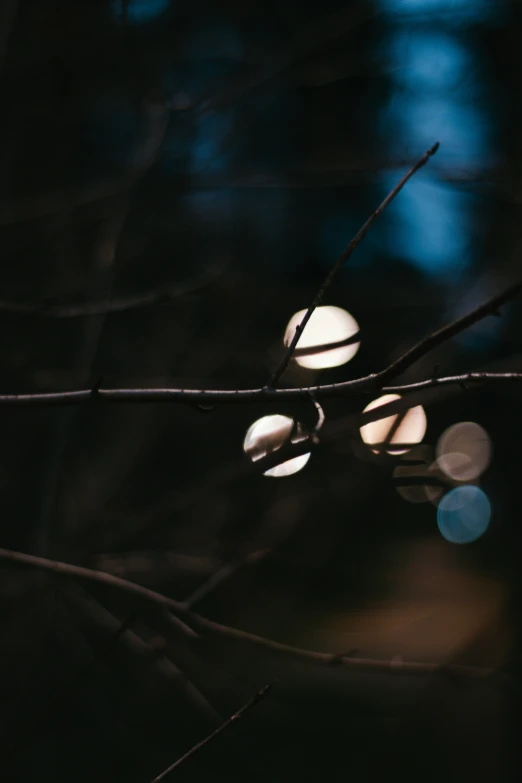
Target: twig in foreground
(366, 385)
(446, 332)
(233, 719)
(166, 667)
(345, 255)
(221, 575)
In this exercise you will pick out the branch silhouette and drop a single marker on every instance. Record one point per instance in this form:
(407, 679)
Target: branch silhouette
(259, 696)
(375, 382)
(491, 307)
(365, 385)
(191, 623)
(343, 258)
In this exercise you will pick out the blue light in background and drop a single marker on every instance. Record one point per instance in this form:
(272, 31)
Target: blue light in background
(462, 130)
(432, 60)
(140, 11)
(456, 11)
(463, 514)
(208, 150)
(427, 5)
(426, 225)
(209, 205)
(486, 333)
(216, 40)
(437, 96)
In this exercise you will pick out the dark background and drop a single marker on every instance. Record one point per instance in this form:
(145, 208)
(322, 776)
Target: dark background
(218, 157)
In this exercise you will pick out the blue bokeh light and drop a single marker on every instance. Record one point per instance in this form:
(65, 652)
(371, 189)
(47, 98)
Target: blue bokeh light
(463, 514)
(209, 151)
(215, 40)
(433, 60)
(427, 226)
(438, 95)
(140, 11)
(423, 119)
(457, 11)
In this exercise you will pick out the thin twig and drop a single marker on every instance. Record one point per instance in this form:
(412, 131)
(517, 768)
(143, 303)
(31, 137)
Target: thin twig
(345, 255)
(474, 378)
(314, 350)
(67, 569)
(137, 646)
(210, 584)
(386, 444)
(447, 332)
(140, 647)
(220, 576)
(365, 385)
(227, 632)
(339, 429)
(233, 719)
(166, 667)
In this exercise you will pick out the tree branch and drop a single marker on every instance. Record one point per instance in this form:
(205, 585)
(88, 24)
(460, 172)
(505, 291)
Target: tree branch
(446, 332)
(376, 382)
(345, 255)
(221, 575)
(474, 378)
(259, 696)
(365, 385)
(218, 630)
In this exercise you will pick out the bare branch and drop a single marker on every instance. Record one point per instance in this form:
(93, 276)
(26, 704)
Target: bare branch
(345, 255)
(347, 426)
(187, 396)
(474, 378)
(365, 385)
(218, 630)
(233, 719)
(220, 576)
(450, 330)
(162, 661)
(67, 569)
(139, 646)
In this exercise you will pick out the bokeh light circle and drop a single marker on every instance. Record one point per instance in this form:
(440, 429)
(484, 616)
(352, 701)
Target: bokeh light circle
(267, 435)
(411, 430)
(464, 451)
(463, 514)
(328, 325)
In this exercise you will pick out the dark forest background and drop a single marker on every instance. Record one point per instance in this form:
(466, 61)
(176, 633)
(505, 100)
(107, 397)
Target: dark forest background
(200, 166)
